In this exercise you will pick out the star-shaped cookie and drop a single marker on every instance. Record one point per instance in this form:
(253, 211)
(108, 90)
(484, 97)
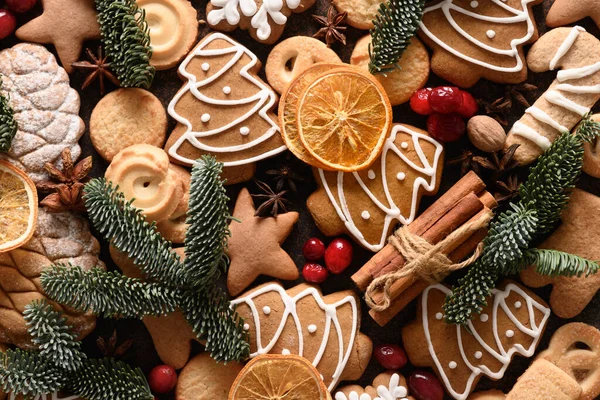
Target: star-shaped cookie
(564, 12)
(255, 246)
(66, 24)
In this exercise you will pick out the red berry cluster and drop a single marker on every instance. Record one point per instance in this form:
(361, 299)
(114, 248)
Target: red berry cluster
(447, 107)
(338, 256)
(8, 20)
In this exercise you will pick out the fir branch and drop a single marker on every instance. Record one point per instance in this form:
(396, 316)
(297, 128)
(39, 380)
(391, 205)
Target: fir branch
(588, 130)
(127, 229)
(209, 218)
(53, 336)
(107, 293)
(109, 379)
(558, 263)
(29, 374)
(8, 125)
(126, 39)
(394, 26)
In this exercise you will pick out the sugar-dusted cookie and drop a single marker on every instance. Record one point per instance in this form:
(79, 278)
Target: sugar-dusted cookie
(293, 56)
(565, 12)
(386, 386)
(401, 83)
(264, 19)
(224, 109)
(46, 109)
(126, 117)
(205, 379)
(479, 39)
(300, 320)
(367, 204)
(544, 380)
(173, 30)
(578, 234)
(575, 90)
(512, 323)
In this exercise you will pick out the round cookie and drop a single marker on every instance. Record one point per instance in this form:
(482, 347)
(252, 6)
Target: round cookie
(173, 30)
(204, 379)
(401, 83)
(293, 56)
(591, 156)
(361, 13)
(126, 117)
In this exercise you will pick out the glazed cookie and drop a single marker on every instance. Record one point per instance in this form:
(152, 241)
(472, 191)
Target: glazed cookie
(578, 234)
(401, 83)
(126, 117)
(565, 12)
(386, 386)
(512, 323)
(361, 13)
(46, 109)
(143, 173)
(293, 56)
(300, 320)
(205, 379)
(570, 97)
(265, 19)
(479, 39)
(173, 30)
(235, 122)
(367, 204)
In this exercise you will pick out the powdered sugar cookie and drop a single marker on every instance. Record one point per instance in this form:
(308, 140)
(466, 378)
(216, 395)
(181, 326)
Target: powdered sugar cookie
(293, 56)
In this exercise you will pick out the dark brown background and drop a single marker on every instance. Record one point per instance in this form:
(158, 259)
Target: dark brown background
(142, 353)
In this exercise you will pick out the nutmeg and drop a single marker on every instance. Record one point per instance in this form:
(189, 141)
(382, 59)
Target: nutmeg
(486, 133)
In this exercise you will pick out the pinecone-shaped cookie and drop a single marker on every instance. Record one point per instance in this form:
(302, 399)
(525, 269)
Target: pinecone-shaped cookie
(46, 109)
(59, 238)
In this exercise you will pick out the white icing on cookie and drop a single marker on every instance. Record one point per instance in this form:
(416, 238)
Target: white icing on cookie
(392, 392)
(490, 34)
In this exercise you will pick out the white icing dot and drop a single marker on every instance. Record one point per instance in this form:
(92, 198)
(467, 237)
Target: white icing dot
(439, 316)
(365, 215)
(518, 304)
(205, 117)
(510, 333)
(452, 365)
(244, 130)
(286, 352)
(371, 174)
(267, 310)
(226, 89)
(246, 327)
(484, 317)
(474, 4)
(404, 145)
(312, 328)
(478, 355)
(400, 176)
(491, 34)
(205, 67)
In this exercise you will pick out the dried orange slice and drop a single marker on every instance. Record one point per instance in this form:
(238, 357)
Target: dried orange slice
(279, 377)
(18, 207)
(343, 119)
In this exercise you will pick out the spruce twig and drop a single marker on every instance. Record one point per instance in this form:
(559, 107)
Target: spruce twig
(8, 125)
(29, 374)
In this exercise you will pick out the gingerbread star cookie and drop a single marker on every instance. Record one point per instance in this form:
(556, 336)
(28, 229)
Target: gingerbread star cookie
(565, 12)
(66, 24)
(255, 246)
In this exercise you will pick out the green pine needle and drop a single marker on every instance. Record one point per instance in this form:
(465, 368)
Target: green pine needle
(53, 336)
(395, 25)
(559, 263)
(29, 374)
(8, 125)
(126, 39)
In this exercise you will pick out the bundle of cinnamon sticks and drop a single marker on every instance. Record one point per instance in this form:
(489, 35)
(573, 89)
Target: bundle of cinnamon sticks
(466, 201)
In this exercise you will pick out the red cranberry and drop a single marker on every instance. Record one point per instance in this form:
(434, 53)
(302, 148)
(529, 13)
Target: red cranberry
(446, 127)
(313, 249)
(338, 255)
(20, 6)
(314, 273)
(469, 106)
(419, 101)
(445, 99)
(424, 385)
(390, 356)
(8, 23)
(162, 379)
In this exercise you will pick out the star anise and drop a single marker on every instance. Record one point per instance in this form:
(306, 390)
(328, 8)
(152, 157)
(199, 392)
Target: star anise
(284, 175)
(274, 202)
(333, 26)
(109, 348)
(467, 162)
(68, 191)
(99, 69)
(507, 190)
(499, 161)
(499, 108)
(518, 93)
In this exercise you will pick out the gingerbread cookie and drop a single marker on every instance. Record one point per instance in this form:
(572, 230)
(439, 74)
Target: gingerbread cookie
(401, 83)
(386, 386)
(544, 380)
(292, 57)
(570, 97)
(488, 395)
(126, 117)
(479, 39)
(300, 320)
(578, 235)
(255, 246)
(265, 20)
(224, 109)
(46, 109)
(173, 30)
(66, 24)
(366, 204)
(205, 379)
(512, 323)
(565, 12)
